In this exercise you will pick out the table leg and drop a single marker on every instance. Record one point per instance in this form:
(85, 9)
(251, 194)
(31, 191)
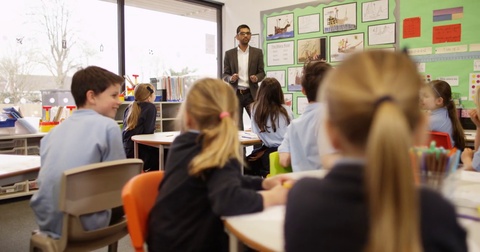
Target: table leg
(234, 245)
(160, 158)
(135, 149)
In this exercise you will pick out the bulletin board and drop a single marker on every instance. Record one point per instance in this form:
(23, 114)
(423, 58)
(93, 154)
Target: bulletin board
(443, 37)
(294, 35)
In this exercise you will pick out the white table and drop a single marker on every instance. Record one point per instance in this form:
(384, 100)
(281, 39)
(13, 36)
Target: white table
(161, 140)
(16, 168)
(264, 230)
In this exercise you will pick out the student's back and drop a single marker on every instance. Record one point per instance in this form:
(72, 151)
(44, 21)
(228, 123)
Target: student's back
(89, 135)
(301, 146)
(369, 201)
(202, 176)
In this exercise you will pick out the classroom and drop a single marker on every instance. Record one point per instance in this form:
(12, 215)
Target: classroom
(188, 41)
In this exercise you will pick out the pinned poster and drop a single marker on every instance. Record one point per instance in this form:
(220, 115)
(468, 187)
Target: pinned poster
(452, 80)
(411, 27)
(447, 33)
(474, 83)
(476, 65)
(420, 67)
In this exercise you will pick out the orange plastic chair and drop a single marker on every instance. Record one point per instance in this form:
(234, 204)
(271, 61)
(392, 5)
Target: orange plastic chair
(441, 139)
(138, 197)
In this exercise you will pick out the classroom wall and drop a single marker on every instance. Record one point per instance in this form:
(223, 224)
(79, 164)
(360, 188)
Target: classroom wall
(238, 12)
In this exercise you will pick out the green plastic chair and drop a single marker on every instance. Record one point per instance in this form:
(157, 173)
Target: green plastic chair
(275, 167)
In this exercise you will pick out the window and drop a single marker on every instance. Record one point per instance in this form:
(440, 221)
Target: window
(40, 50)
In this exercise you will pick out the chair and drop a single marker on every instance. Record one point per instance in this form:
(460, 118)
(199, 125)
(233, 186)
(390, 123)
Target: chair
(441, 139)
(138, 197)
(275, 167)
(88, 189)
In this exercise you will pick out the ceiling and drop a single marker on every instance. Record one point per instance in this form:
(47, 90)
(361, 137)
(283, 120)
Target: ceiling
(177, 7)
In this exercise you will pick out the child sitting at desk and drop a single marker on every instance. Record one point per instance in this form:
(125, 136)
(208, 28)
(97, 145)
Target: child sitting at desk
(436, 97)
(203, 179)
(270, 119)
(139, 118)
(90, 135)
(369, 201)
(471, 158)
(301, 148)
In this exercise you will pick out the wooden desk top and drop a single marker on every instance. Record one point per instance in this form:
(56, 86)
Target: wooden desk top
(16, 168)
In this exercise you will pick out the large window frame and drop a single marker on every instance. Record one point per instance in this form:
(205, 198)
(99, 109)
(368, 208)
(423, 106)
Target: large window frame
(121, 32)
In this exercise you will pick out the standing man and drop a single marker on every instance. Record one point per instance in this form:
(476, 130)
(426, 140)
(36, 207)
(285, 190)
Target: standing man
(243, 69)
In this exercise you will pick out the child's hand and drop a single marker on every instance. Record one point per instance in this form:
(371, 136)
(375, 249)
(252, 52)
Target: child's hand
(467, 156)
(276, 180)
(474, 117)
(275, 196)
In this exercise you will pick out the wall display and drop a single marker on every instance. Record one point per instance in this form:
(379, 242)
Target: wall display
(279, 27)
(280, 53)
(309, 23)
(375, 10)
(311, 49)
(279, 75)
(342, 46)
(295, 78)
(288, 97)
(381, 34)
(340, 18)
(302, 103)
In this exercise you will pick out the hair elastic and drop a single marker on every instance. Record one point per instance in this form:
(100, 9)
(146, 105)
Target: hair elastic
(381, 100)
(150, 89)
(224, 114)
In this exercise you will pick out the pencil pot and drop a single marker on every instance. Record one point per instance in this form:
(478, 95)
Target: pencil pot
(47, 126)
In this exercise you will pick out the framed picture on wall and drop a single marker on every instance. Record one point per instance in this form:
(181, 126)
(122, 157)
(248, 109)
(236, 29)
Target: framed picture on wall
(295, 78)
(279, 27)
(279, 75)
(342, 46)
(302, 103)
(381, 34)
(280, 53)
(309, 23)
(375, 10)
(340, 18)
(288, 97)
(311, 49)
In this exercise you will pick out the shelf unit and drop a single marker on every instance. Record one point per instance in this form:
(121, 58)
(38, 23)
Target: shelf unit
(166, 115)
(20, 144)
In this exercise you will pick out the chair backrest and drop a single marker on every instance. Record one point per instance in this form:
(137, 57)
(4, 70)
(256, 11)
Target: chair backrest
(441, 139)
(275, 167)
(138, 197)
(94, 188)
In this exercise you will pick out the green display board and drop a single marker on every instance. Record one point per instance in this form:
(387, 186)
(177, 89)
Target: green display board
(295, 34)
(448, 37)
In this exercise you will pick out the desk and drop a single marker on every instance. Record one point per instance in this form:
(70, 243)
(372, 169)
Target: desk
(161, 140)
(470, 138)
(264, 230)
(17, 170)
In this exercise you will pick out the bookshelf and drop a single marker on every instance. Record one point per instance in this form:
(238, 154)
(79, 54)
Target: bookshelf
(166, 115)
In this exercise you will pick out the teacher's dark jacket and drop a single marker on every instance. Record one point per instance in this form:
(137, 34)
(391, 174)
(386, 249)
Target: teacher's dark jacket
(255, 67)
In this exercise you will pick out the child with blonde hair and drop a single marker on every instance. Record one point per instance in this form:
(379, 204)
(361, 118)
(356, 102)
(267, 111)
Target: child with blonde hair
(139, 118)
(203, 179)
(369, 201)
(437, 99)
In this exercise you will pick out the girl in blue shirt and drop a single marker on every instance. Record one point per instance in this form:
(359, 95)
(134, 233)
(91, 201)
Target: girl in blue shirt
(436, 97)
(270, 119)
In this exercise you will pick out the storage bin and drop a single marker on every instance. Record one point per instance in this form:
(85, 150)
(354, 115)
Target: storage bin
(47, 126)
